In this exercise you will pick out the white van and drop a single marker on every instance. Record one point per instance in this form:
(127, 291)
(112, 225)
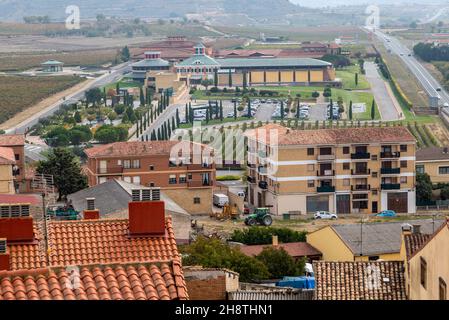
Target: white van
(220, 200)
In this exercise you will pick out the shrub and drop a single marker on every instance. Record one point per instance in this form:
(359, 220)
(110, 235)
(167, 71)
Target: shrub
(228, 178)
(264, 235)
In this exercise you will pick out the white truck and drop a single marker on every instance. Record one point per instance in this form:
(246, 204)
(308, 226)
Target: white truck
(220, 200)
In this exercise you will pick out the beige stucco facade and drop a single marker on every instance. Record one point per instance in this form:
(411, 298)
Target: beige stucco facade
(6, 179)
(436, 169)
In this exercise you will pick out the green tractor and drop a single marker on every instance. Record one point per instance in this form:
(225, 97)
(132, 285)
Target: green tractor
(260, 216)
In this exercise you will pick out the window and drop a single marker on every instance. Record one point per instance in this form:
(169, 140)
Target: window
(423, 273)
(17, 156)
(442, 289)
(346, 166)
(127, 179)
(189, 176)
(403, 148)
(311, 183)
(136, 164)
(403, 180)
(126, 164)
(119, 162)
(374, 174)
(136, 180)
(310, 167)
(374, 192)
(443, 170)
(374, 157)
(310, 151)
(151, 184)
(373, 258)
(182, 178)
(346, 150)
(420, 168)
(346, 182)
(151, 167)
(172, 179)
(197, 200)
(403, 164)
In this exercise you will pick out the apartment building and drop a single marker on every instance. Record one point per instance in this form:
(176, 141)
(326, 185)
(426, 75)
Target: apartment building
(435, 162)
(16, 142)
(187, 177)
(347, 170)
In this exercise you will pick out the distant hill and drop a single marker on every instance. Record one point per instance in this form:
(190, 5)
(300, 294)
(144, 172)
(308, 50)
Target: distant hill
(15, 10)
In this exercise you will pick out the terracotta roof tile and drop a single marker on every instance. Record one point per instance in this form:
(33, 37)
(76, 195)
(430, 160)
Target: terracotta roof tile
(432, 153)
(333, 136)
(142, 281)
(379, 280)
(414, 242)
(294, 249)
(7, 156)
(9, 140)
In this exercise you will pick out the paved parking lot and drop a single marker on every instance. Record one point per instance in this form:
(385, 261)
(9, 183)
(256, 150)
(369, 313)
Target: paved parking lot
(318, 112)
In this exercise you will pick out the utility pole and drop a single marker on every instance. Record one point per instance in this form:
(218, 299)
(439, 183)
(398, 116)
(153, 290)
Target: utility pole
(44, 214)
(361, 236)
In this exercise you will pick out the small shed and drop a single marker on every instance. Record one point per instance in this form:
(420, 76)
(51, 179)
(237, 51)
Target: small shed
(52, 66)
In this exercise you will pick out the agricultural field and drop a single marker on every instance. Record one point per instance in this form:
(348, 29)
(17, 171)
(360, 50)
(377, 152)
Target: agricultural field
(428, 134)
(24, 61)
(19, 93)
(10, 28)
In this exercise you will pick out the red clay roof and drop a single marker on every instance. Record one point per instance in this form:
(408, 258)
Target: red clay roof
(9, 140)
(432, 153)
(154, 281)
(334, 136)
(294, 249)
(134, 148)
(7, 156)
(414, 242)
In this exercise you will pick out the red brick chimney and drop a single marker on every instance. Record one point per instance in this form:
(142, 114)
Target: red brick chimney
(146, 213)
(16, 223)
(91, 213)
(4, 255)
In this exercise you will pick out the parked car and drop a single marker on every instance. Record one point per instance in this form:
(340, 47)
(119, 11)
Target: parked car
(386, 213)
(325, 215)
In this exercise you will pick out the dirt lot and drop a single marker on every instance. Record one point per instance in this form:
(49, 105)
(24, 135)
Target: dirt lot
(440, 132)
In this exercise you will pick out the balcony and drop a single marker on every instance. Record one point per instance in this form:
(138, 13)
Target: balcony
(360, 156)
(326, 157)
(111, 170)
(263, 185)
(390, 155)
(361, 187)
(325, 173)
(263, 171)
(361, 172)
(324, 189)
(390, 170)
(390, 186)
(198, 184)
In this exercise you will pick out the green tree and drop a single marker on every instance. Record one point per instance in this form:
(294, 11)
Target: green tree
(264, 235)
(212, 253)
(106, 134)
(279, 263)
(215, 77)
(350, 110)
(119, 109)
(235, 109)
(93, 96)
(142, 97)
(423, 187)
(65, 168)
(444, 193)
(356, 79)
(77, 117)
(373, 110)
(112, 116)
(230, 79)
(124, 54)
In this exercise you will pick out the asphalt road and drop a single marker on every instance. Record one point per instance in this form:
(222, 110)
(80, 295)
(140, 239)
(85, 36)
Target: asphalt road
(383, 99)
(428, 82)
(115, 74)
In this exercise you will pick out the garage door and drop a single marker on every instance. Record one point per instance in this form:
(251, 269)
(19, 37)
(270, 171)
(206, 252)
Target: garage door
(343, 203)
(398, 202)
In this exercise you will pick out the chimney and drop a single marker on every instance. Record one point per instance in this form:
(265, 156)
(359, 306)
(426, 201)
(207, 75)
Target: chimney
(16, 223)
(275, 241)
(91, 213)
(4, 255)
(416, 229)
(146, 213)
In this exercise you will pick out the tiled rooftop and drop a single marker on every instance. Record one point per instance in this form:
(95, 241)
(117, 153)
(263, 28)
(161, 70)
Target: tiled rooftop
(432, 153)
(380, 280)
(414, 242)
(336, 136)
(9, 140)
(7, 156)
(153, 281)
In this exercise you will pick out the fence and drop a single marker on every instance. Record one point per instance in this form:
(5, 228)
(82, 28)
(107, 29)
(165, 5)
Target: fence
(271, 295)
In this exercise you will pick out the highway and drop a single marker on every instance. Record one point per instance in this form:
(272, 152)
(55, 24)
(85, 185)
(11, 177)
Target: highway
(114, 75)
(428, 82)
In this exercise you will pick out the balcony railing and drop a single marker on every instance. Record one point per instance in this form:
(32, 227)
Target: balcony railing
(390, 155)
(361, 187)
(198, 184)
(325, 189)
(263, 185)
(390, 170)
(390, 186)
(360, 172)
(325, 173)
(111, 170)
(324, 157)
(360, 155)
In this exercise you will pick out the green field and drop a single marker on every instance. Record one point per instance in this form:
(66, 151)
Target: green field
(347, 75)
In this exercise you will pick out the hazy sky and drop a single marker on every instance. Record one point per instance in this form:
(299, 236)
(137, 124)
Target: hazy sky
(314, 3)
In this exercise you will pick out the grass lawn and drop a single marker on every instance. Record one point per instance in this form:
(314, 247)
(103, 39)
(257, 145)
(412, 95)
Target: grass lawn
(347, 75)
(123, 84)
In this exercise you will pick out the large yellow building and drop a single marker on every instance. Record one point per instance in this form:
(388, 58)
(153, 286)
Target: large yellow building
(7, 162)
(367, 241)
(239, 72)
(427, 265)
(351, 170)
(435, 162)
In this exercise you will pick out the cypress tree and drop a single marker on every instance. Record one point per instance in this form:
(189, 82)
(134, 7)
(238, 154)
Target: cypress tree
(282, 109)
(221, 110)
(297, 109)
(216, 78)
(249, 108)
(177, 118)
(187, 113)
(173, 124)
(142, 97)
(350, 110)
(235, 109)
(230, 79)
(153, 135)
(207, 115)
(373, 110)
(159, 134)
(245, 84)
